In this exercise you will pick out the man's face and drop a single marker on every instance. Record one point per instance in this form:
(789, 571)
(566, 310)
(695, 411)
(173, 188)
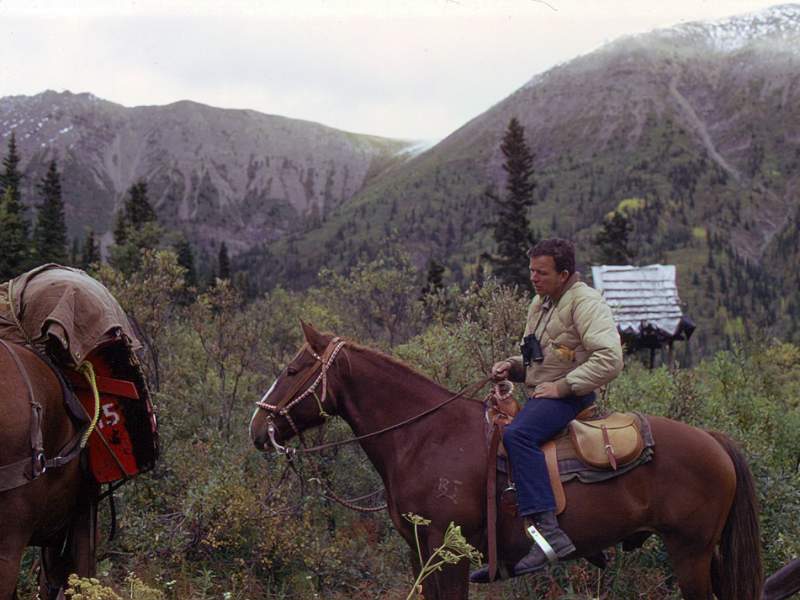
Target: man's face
(544, 277)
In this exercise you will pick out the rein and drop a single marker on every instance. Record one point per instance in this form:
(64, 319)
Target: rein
(472, 388)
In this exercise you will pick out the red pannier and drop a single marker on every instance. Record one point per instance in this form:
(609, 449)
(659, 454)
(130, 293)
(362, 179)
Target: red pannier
(123, 443)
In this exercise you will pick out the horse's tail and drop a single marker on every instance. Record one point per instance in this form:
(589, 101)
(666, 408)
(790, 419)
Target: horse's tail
(738, 572)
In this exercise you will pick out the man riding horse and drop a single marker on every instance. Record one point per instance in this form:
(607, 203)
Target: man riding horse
(569, 349)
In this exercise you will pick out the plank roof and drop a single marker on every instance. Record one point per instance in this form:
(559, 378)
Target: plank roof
(641, 297)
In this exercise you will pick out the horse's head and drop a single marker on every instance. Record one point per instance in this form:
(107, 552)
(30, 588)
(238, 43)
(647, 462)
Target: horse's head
(301, 397)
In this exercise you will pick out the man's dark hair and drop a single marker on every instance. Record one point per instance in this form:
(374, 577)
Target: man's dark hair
(562, 251)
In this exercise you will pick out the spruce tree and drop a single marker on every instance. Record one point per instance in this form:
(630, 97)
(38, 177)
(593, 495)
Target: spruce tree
(50, 234)
(224, 262)
(512, 232)
(14, 252)
(91, 251)
(613, 240)
(13, 238)
(75, 252)
(11, 178)
(138, 210)
(121, 228)
(186, 259)
(136, 229)
(433, 281)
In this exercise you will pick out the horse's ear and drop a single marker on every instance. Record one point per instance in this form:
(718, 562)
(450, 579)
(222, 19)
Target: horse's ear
(314, 338)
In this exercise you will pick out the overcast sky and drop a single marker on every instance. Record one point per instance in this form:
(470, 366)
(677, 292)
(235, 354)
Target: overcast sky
(416, 69)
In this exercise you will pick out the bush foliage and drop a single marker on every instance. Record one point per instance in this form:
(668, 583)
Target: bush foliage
(217, 519)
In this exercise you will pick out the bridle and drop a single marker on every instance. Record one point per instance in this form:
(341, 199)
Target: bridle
(282, 408)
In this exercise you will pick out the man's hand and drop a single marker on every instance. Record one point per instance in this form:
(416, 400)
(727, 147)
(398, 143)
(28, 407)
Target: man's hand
(546, 390)
(500, 370)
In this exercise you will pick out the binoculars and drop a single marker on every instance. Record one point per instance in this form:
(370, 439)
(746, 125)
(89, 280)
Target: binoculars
(531, 350)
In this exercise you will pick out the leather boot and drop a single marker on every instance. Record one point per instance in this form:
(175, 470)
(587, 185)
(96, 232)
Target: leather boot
(480, 575)
(550, 543)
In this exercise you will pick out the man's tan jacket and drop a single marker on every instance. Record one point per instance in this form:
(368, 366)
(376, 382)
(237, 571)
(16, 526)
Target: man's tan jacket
(579, 340)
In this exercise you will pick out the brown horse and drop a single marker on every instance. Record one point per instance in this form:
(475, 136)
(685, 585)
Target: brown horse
(55, 510)
(697, 492)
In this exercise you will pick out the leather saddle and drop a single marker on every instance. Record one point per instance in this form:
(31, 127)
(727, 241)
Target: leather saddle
(607, 443)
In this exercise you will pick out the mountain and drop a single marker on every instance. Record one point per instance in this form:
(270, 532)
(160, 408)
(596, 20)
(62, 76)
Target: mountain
(234, 175)
(695, 130)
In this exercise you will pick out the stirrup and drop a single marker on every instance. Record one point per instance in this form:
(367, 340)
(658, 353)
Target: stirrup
(540, 541)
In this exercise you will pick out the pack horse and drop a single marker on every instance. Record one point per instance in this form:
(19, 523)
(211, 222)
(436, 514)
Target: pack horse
(696, 493)
(75, 413)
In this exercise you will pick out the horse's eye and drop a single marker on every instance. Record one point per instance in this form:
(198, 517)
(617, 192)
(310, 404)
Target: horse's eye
(291, 370)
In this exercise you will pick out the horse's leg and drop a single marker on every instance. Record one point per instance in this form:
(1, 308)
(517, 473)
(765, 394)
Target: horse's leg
(83, 533)
(11, 550)
(73, 552)
(55, 569)
(691, 565)
(452, 581)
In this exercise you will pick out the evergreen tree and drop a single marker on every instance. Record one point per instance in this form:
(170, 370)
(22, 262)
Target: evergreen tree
(186, 259)
(138, 210)
(433, 281)
(50, 233)
(224, 262)
(14, 254)
(512, 233)
(480, 273)
(91, 250)
(13, 238)
(11, 178)
(121, 229)
(136, 229)
(75, 252)
(613, 240)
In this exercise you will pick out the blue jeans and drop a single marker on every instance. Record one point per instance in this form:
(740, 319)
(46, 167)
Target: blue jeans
(538, 421)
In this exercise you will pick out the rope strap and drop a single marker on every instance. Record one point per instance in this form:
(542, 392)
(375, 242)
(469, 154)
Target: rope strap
(87, 370)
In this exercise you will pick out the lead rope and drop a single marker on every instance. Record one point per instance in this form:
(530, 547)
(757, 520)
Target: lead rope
(87, 370)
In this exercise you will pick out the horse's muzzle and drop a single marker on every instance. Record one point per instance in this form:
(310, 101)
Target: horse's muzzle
(259, 440)
(257, 434)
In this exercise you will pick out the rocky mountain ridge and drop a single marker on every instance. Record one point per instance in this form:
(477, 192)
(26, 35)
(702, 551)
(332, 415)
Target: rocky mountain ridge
(218, 174)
